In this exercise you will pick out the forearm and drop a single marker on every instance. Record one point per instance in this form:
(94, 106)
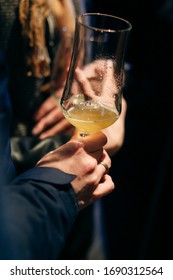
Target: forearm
(39, 216)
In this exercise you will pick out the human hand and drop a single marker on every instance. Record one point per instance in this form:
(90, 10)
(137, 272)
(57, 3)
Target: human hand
(50, 120)
(97, 82)
(88, 80)
(115, 133)
(81, 156)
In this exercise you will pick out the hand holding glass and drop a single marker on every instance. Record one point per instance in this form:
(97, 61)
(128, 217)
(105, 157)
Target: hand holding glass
(92, 94)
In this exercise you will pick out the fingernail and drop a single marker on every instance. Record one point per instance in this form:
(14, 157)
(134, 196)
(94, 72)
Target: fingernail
(42, 136)
(35, 131)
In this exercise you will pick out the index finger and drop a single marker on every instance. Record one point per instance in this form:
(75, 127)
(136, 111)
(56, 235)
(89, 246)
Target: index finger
(48, 105)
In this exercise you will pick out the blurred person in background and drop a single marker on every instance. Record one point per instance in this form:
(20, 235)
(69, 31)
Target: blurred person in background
(139, 215)
(38, 208)
(31, 32)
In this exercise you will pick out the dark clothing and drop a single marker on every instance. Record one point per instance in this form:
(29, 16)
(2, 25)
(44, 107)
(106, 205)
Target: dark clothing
(139, 214)
(25, 90)
(7, 171)
(36, 214)
(37, 208)
(25, 96)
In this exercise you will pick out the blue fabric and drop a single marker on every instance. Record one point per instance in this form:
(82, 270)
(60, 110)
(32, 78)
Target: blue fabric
(37, 216)
(7, 171)
(37, 208)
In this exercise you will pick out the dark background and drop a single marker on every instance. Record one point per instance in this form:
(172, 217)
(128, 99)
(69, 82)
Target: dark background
(139, 214)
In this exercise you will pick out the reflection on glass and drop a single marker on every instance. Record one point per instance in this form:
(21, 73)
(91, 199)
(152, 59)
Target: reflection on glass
(92, 94)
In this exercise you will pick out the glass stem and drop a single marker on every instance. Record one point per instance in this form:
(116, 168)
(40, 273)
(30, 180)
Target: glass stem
(83, 134)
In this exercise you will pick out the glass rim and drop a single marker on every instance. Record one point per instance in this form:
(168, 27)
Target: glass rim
(128, 28)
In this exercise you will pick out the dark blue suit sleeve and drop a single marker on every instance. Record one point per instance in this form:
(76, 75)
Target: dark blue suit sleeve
(7, 171)
(39, 211)
(38, 208)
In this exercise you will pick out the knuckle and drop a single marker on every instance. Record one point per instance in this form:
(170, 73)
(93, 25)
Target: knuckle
(94, 180)
(86, 162)
(90, 165)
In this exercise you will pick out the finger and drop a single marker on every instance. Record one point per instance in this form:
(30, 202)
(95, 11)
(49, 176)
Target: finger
(62, 153)
(115, 143)
(71, 158)
(103, 188)
(105, 159)
(106, 167)
(46, 107)
(51, 118)
(61, 127)
(84, 83)
(91, 176)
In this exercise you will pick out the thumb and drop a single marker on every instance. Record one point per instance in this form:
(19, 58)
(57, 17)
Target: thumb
(92, 142)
